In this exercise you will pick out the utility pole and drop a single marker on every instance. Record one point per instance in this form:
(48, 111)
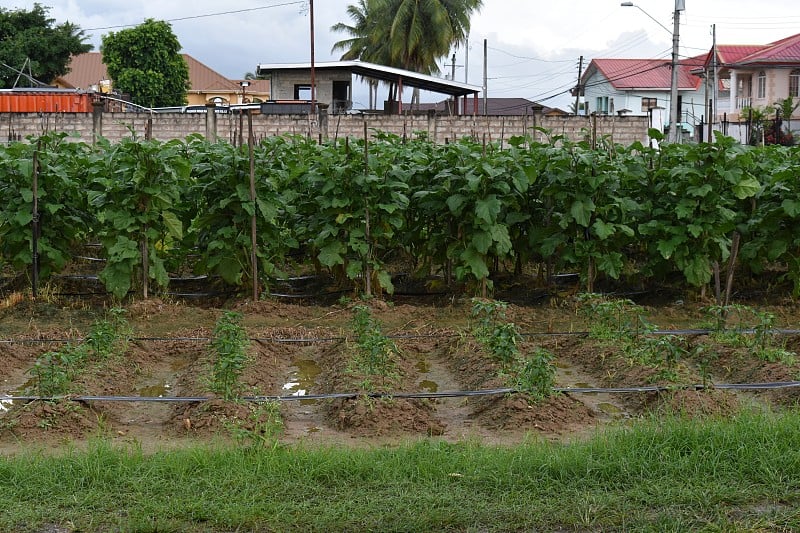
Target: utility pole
(674, 114)
(453, 78)
(715, 83)
(485, 75)
(578, 89)
(466, 60)
(313, 80)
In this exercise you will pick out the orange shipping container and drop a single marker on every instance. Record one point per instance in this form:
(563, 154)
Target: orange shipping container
(44, 101)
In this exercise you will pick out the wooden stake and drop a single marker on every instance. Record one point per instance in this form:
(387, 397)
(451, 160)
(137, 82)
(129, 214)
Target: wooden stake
(732, 266)
(367, 272)
(35, 222)
(253, 229)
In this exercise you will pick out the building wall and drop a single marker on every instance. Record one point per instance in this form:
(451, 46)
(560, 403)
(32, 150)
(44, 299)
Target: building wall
(283, 83)
(114, 126)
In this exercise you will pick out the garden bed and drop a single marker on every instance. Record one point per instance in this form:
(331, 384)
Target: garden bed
(164, 350)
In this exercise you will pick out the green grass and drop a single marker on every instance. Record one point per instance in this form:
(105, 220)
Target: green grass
(740, 474)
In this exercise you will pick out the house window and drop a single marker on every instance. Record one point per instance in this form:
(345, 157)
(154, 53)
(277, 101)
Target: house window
(761, 91)
(794, 83)
(602, 104)
(649, 103)
(302, 92)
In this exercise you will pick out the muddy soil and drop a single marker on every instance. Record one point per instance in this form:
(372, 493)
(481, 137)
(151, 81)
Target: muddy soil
(302, 350)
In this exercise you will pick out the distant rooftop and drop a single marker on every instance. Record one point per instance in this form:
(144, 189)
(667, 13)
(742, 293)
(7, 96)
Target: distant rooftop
(382, 73)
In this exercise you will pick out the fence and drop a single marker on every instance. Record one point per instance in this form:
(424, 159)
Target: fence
(441, 129)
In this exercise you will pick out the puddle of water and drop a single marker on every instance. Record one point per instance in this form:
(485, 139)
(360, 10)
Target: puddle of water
(423, 366)
(583, 385)
(180, 363)
(609, 409)
(5, 402)
(303, 379)
(155, 391)
(427, 385)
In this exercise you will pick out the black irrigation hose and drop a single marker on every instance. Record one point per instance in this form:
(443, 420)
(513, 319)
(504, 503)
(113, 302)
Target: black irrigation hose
(311, 340)
(415, 395)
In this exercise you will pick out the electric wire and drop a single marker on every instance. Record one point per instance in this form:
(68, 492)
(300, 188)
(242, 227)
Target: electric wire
(191, 17)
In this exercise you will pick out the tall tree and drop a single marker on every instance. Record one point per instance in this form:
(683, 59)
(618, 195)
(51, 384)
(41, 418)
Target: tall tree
(145, 62)
(31, 44)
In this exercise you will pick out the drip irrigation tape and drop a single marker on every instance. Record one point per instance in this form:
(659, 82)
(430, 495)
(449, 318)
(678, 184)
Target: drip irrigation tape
(311, 340)
(414, 395)
(298, 340)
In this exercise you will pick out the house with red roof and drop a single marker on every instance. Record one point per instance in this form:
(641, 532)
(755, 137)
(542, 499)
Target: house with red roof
(756, 76)
(642, 87)
(747, 76)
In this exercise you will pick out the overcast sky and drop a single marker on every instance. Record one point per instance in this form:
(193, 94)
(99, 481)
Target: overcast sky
(533, 46)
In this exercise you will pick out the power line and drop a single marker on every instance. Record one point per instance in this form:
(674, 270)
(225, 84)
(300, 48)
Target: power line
(528, 58)
(232, 12)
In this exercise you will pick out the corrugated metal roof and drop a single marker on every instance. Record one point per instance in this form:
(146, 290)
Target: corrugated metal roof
(652, 74)
(785, 51)
(495, 106)
(383, 73)
(732, 53)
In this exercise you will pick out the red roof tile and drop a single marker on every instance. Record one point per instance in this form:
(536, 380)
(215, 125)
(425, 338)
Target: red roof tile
(646, 73)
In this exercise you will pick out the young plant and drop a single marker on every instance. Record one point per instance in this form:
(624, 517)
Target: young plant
(375, 353)
(498, 337)
(664, 352)
(534, 375)
(109, 334)
(618, 319)
(763, 340)
(51, 374)
(229, 347)
(719, 316)
(262, 428)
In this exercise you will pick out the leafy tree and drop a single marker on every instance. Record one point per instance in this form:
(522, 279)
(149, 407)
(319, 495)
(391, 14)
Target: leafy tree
(145, 62)
(30, 42)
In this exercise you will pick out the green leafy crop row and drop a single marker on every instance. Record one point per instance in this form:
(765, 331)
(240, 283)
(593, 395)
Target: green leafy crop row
(458, 209)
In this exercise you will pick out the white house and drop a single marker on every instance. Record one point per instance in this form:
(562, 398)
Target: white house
(642, 87)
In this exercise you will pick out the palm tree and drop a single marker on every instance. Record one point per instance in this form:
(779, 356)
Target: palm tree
(423, 31)
(367, 41)
(409, 34)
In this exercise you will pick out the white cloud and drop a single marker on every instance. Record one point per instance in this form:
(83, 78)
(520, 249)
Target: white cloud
(557, 32)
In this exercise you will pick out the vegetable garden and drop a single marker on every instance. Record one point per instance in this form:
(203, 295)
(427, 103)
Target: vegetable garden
(368, 218)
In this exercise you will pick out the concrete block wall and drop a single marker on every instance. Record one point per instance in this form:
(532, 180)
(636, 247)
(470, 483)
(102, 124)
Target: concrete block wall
(114, 126)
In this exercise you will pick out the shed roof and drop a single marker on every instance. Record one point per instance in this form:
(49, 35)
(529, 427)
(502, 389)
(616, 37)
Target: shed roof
(382, 73)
